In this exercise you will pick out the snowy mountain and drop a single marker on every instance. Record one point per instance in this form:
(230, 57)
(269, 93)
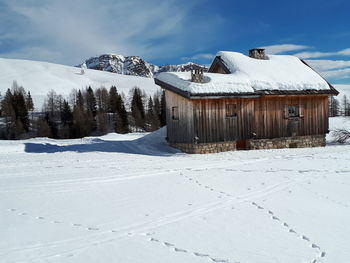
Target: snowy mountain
(133, 65)
(41, 77)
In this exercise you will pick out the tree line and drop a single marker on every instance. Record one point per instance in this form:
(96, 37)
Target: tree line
(339, 107)
(86, 112)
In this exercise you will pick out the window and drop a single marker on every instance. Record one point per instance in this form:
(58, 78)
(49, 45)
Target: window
(293, 111)
(174, 113)
(231, 110)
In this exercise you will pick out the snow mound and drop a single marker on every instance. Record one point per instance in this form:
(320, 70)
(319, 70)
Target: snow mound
(149, 144)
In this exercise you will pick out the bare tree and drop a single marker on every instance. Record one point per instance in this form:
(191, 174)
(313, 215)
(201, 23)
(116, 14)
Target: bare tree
(341, 135)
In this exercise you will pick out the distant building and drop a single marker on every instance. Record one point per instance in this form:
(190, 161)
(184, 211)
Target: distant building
(246, 102)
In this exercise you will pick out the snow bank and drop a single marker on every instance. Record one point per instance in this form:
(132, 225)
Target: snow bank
(41, 77)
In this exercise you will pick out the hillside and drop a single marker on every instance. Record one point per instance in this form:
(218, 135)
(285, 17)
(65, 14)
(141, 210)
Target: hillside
(40, 77)
(131, 198)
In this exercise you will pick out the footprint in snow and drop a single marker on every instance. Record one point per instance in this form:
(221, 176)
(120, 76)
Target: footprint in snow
(189, 204)
(40, 217)
(305, 238)
(275, 218)
(260, 207)
(168, 244)
(253, 203)
(323, 254)
(22, 214)
(218, 260)
(12, 210)
(76, 224)
(92, 228)
(180, 250)
(153, 239)
(315, 246)
(270, 212)
(55, 222)
(285, 224)
(200, 254)
(291, 231)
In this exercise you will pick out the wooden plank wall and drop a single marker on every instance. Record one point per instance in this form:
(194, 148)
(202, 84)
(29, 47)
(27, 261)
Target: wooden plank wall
(270, 120)
(206, 118)
(181, 130)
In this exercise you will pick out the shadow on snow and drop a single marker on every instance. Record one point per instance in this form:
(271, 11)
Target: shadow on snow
(153, 144)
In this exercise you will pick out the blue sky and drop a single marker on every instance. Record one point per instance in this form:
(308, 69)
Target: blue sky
(169, 32)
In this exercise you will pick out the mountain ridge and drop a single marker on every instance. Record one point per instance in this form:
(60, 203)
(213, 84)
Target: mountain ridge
(134, 65)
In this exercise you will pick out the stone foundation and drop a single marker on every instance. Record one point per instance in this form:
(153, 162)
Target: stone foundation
(205, 147)
(287, 142)
(254, 144)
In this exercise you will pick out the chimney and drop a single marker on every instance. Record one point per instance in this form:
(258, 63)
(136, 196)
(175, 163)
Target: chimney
(257, 53)
(197, 75)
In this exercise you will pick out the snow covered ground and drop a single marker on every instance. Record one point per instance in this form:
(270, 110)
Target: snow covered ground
(131, 198)
(41, 77)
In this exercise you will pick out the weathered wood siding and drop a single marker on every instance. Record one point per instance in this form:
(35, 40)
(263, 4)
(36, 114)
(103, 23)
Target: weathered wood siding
(270, 120)
(181, 130)
(212, 125)
(260, 118)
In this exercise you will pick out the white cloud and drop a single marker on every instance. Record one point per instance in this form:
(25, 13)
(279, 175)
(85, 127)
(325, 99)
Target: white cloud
(201, 56)
(316, 54)
(337, 74)
(324, 65)
(73, 30)
(278, 49)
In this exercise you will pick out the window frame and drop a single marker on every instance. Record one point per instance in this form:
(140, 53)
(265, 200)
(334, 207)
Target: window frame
(231, 110)
(175, 113)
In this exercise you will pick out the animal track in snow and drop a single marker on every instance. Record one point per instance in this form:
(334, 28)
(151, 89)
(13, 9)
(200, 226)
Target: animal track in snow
(93, 228)
(218, 260)
(168, 244)
(175, 248)
(290, 230)
(305, 238)
(200, 254)
(315, 246)
(180, 250)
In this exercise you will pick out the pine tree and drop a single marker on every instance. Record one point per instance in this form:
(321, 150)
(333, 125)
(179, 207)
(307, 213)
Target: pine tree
(137, 109)
(121, 118)
(163, 110)
(113, 100)
(152, 118)
(66, 114)
(29, 102)
(79, 100)
(91, 105)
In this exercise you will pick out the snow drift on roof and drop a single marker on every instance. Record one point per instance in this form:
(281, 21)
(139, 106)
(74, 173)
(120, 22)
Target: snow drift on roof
(213, 83)
(279, 72)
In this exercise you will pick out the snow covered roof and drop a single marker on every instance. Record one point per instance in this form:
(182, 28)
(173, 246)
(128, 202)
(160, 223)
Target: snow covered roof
(275, 75)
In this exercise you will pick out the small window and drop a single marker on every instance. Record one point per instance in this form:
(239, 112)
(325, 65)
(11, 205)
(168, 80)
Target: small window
(231, 110)
(293, 111)
(175, 113)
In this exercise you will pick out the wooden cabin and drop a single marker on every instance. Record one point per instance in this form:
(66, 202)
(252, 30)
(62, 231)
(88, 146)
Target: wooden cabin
(246, 102)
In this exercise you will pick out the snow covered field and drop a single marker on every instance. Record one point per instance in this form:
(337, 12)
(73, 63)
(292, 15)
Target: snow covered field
(131, 198)
(41, 77)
